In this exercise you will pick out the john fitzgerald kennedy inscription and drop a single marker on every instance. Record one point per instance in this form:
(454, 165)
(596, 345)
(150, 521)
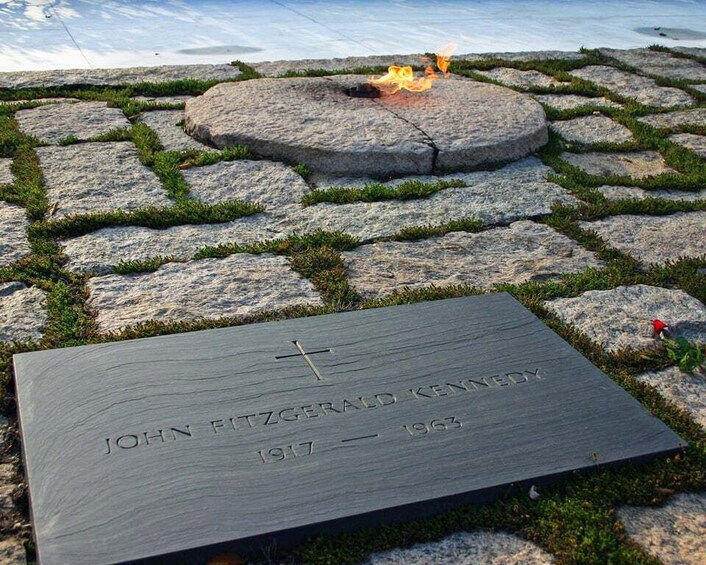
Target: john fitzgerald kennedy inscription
(174, 448)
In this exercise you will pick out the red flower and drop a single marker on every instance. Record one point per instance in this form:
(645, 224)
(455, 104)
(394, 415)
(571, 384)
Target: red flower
(659, 326)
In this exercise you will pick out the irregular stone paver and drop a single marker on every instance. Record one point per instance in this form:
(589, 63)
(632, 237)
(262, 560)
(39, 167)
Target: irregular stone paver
(490, 196)
(53, 122)
(522, 79)
(699, 87)
(523, 56)
(696, 143)
(654, 239)
(693, 51)
(637, 164)
(643, 89)
(23, 314)
(456, 125)
(171, 135)
(40, 100)
(130, 75)
(621, 318)
(572, 101)
(347, 64)
(238, 285)
(12, 552)
(274, 185)
(659, 63)
(7, 487)
(674, 533)
(592, 129)
(673, 120)
(468, 548)
(178, 99)
(519, 253)
(636, 193)
(6, 176)
(13, 233)
(98, 177)
(686, 390)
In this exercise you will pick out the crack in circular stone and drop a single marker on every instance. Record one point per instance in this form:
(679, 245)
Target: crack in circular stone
(456, 125)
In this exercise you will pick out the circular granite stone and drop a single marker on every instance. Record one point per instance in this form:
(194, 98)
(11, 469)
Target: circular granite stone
(457, 125)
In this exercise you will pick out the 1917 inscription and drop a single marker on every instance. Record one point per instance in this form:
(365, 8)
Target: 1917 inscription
(288, 415)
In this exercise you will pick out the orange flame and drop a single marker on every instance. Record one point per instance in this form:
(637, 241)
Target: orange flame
(403, 78)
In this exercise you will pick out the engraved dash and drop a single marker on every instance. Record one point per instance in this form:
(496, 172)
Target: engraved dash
(357, 438)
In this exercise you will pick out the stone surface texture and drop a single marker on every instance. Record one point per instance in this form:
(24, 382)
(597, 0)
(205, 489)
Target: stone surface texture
(673, 120)
(659, 63)
(572, 101)
(696, 143)
(171, 135)
(523, 56)
(456, 125)
(592, 129)
(53, 122)
(98, 177)
(6, 176)
(274, 185)
(643, 89)
(522, 79)
(130, 75)
(654, 239)
(491, 196)
(699, 87)
(637, 164)
(637, 193)
(13, 233)
(23, 314)
(12, 552)
(621, 318)
(238, 285)
(177, 99)
(468, 548)
(675, 533)
(522, 252)
(686, 390)
(346, 64)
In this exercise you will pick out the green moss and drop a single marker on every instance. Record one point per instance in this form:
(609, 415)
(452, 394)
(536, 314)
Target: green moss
(376, 192)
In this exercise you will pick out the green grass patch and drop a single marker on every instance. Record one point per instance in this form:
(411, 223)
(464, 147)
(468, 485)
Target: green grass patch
(376, 192)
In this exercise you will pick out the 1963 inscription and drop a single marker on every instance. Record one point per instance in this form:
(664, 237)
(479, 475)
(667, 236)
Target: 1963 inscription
(241, 423)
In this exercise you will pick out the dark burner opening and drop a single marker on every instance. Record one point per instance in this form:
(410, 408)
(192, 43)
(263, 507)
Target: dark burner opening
(364, 90)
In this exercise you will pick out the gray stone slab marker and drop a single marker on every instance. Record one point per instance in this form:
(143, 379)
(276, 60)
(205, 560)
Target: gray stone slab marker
(176, 448)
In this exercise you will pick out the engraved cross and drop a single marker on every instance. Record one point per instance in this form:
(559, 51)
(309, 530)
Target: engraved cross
(306, 354)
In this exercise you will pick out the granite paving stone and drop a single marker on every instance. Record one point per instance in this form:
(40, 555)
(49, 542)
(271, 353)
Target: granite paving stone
(165, 124)
(238, 285)
(491, 196)
(673, 120)
(53, 122)
(573, 101)
(592, 129)
(523, 56)
(23, 313)
(674, 533)
(637, 193)
(98, 177)
(693, 142)
(14, 244)
(659, 63)
(346, 64)
(7, 487)
(643, 89)
(693, 51)
(522, 79)
(456, 125)
(468, 548)
(274, 185)
(621, 318)
(52, 100)
(524, 251)
(12, 551)
(6, 176)
(699, 87)
(636, 164)
(129, 75)
(686, 390)
(654, 239)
